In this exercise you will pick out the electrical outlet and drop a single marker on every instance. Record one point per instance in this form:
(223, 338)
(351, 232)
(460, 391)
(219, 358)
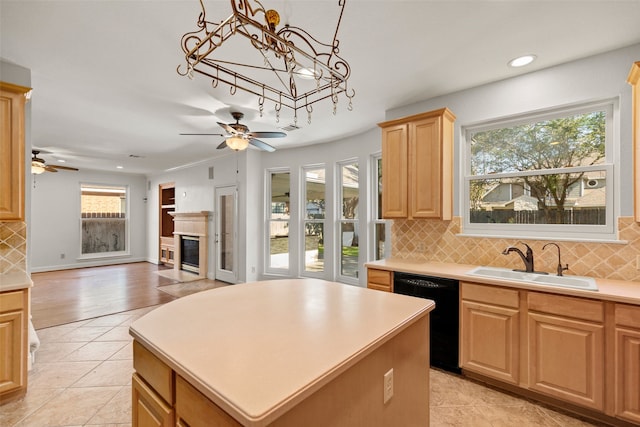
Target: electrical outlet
(62, 256)
(388, 385)
(421, 247)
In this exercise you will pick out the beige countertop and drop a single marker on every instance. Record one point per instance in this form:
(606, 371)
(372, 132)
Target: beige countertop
(15, 281)
(608, 290)
(258, 349)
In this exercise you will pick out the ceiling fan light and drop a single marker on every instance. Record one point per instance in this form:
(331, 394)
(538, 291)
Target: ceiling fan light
(37, 167)
(237, 143)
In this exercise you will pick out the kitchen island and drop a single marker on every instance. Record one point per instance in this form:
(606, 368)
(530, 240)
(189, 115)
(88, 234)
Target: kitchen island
(283, 353)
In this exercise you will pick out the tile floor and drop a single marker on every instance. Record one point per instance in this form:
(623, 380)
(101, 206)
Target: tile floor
(82, 377)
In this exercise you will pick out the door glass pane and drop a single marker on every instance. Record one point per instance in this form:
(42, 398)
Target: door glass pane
(226, 232)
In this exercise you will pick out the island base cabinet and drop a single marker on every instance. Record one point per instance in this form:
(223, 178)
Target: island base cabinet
(193, 409)
(566, 354)
(147, 408)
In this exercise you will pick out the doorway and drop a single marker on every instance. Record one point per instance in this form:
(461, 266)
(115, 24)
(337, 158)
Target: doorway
(226, 208)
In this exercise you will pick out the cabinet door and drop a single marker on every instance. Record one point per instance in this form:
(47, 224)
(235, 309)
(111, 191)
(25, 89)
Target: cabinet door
(12, 357)
(193, 409)
(489, 340)
(12, 102)
(394, 171)
(148, 409)
(425, 156)
(628, 374)
(566, 359)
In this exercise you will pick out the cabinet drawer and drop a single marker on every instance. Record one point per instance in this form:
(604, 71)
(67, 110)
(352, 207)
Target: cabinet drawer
(12, 301)
(628, 315)
(158, 375)
(577, 308)
(194, 409)
(490, 294)
(379, 277)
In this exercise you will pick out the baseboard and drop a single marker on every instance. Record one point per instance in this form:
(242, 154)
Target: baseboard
(83, 264)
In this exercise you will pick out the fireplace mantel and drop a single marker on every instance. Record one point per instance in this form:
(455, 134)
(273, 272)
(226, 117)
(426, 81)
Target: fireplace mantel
(191, 224)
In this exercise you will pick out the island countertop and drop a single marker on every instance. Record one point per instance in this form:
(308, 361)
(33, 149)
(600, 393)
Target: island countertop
(258, 349)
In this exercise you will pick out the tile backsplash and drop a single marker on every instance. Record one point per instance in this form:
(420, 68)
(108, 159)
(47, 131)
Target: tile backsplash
(13, 247)
(440, 241)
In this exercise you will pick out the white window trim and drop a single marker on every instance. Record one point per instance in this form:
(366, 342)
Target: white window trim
(374, 212)
(558, 232)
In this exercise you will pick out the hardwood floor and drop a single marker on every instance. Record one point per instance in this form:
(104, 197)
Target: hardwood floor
(60, 297)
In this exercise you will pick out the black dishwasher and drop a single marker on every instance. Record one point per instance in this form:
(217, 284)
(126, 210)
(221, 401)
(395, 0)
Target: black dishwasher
(444, 319)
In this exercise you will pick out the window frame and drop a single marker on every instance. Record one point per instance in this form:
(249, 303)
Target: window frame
(303, 221)
(340, 220)
(376, 213)
(268, 220)
(570, 232)
(127, 218)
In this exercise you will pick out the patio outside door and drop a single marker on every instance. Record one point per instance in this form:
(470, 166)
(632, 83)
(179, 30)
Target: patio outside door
(226, 234)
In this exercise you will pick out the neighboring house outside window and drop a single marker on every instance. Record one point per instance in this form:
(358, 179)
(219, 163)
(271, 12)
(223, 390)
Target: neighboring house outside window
(103, 219)
(550, 172)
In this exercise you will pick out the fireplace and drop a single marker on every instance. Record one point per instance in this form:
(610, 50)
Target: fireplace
(190, 242)
(190, 253)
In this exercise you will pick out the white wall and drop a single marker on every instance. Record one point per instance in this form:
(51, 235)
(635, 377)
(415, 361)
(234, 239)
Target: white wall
(55, 219)
(595, 78)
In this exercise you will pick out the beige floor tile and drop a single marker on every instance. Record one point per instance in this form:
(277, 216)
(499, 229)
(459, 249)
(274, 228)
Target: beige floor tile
(116, 411)
(565, 420)
(73, 406)
(84, 333)
(96, 351)
(55, 351)
(521, 415)
(112, 320)
(12, 412)
(126, 353)
(58, 374)
(108, 373)
(54, 333)
(118, 333)
(457, 416)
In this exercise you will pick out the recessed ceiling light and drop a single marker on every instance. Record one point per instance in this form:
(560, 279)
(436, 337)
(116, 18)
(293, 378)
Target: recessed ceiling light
(61, 161)
(119, 167)
(521, 61)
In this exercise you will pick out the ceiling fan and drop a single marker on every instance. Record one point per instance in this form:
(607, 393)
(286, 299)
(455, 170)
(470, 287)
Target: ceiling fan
(38, 165)
(239, 136)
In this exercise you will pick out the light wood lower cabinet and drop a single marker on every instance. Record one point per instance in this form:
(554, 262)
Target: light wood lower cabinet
(13, 344)
(194, 409)
(381, 280)
(490, 320)
(566, 348)
(627, 344)
(148, 409)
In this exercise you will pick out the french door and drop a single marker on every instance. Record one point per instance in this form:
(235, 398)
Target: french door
(226, 210)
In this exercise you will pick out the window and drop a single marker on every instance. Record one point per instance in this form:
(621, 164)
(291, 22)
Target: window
(314, 218)
(549, 173)
(381, 227)
(278, 217)
(103, 212)
(348, 223)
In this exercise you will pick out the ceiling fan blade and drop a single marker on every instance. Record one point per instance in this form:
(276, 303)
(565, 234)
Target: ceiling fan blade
(222, 145)
(67, 168)
(50, 168)
(261, 145)
(266, 134)
(228, 128)
(213, 134)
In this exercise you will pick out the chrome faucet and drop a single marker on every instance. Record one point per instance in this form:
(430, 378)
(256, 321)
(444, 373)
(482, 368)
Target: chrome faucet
(560, 268)
(527, 259)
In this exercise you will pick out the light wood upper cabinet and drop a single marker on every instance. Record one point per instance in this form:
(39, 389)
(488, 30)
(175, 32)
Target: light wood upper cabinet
(12, 101)
(417, 166)
(634, 81)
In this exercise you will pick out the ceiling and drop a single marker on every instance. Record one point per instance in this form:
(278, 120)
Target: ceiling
(106, 92)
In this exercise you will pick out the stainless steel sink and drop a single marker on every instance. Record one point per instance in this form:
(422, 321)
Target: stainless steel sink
(574, 282)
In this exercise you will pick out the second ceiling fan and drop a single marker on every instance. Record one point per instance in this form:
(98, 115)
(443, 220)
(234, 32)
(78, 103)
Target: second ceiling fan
(239, 135)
